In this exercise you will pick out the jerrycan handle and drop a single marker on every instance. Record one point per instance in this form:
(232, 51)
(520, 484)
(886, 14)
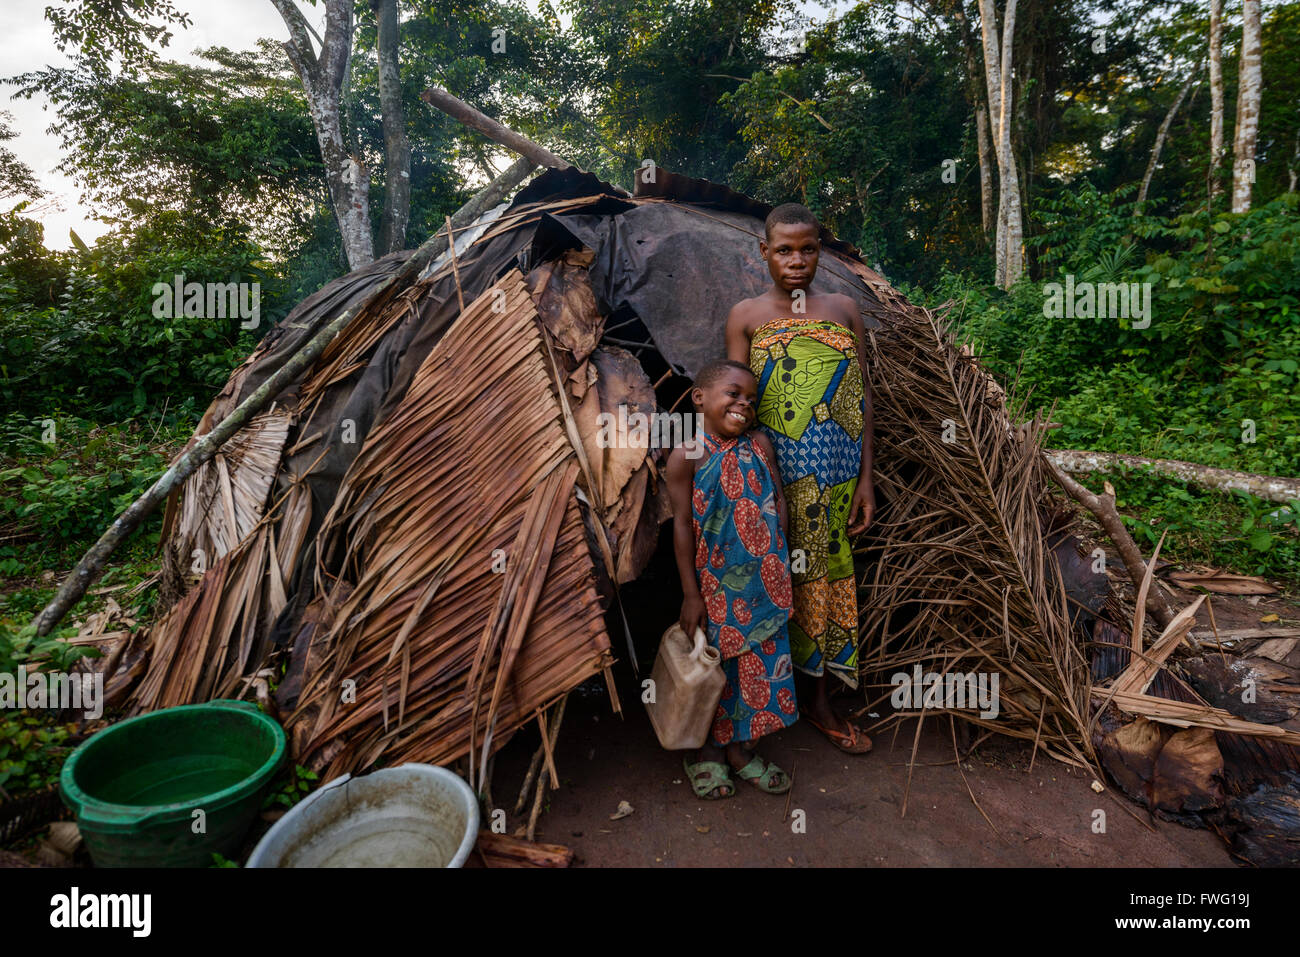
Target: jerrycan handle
(700, 644)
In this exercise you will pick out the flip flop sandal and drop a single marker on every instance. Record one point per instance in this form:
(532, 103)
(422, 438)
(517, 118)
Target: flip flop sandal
(712, 775)
(855, 742)
(760, 774)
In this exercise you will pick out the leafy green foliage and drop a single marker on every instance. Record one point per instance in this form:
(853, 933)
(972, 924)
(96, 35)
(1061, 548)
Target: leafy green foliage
(121, 31)
(73, 488)
(50, 653)
(32, 752)
(861, 129)
(55, 500)
(224, 144)
(16, 177)
(103, 348)
(296, 783)
(1215, 379)
(655, 75)
(1224, 530)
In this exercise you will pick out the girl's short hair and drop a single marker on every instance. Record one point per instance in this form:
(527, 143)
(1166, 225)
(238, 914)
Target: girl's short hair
(713, 371)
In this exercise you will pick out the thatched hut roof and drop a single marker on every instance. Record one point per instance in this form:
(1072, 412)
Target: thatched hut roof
(424, 530)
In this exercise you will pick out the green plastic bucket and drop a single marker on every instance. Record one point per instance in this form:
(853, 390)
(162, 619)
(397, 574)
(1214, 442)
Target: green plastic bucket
(135, 786)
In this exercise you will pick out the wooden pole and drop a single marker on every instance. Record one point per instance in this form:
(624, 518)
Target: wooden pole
(1103, 506)
(91, 566)
(459, 110)
(1273, 488)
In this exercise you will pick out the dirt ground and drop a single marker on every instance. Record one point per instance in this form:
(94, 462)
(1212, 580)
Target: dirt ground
(852, 806)
(845, 810)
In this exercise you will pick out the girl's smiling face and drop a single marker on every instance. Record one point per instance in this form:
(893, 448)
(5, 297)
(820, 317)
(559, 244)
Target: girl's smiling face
(728, 403)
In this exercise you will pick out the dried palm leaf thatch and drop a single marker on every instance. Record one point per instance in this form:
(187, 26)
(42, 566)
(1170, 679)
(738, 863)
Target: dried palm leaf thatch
(1131, 690)
(348, 351)
(958, 576)
(1183, 714)
(226, 496)
(219, 631)
(465, 599)
(206, 642)
(610, 401)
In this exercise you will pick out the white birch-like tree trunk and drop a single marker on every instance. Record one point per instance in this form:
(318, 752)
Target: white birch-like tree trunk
(1249, 84)
(997, 72)
(322, 82)
(984, 145)
(986, 168)
(1294, 166)
(1162, 135)
(1216, 98)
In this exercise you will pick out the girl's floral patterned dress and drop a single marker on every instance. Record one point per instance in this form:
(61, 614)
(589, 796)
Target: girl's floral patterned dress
(744, 574)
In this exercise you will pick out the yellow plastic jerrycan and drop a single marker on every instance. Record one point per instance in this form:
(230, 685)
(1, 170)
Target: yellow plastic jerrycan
(688, 682)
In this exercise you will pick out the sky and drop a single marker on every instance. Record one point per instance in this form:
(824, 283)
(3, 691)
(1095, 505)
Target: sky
(26, 45)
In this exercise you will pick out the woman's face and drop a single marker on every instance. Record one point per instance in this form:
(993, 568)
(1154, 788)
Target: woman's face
(792, 255)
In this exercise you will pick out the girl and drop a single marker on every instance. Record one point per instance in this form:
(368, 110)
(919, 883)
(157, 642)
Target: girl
(728, 537)
(808, 352)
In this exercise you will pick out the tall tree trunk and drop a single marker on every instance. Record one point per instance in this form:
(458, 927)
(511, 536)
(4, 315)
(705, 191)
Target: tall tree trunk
(1249, 83)
(322, 82)
(1294, 166)
(997, 71)
(986, 167)
(397, 148)
(1162, 134)
(977, 104)
(1216, 99)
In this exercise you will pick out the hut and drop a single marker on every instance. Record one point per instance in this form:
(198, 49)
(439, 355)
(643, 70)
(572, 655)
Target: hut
(422, 542)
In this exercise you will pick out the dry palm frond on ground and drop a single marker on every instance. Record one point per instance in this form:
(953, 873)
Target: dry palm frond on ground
(958, 578)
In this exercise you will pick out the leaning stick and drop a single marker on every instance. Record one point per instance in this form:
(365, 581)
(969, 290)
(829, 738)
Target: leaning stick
(461, 111)
(1103, 506)
(91, 566)
(529, 778)
(557, 715)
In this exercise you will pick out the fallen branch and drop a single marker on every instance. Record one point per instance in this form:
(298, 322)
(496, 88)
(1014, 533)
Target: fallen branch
(1162, 133)
(499, 850)
(1272, 488)
(1182, 714)
(1226, 635)
(1103, 506)
(459, 110)
(91, 566)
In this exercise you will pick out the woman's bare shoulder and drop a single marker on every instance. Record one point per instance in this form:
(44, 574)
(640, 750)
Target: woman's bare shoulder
(748, 314)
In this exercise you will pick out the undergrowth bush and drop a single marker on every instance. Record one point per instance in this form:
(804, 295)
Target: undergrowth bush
(1214, 379)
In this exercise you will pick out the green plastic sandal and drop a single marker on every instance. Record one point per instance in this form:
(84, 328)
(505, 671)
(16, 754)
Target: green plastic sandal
(713, 775)
(759, 773)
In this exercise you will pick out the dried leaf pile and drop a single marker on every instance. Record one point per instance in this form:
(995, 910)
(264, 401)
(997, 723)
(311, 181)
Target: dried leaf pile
(959, 579)
(466, 598)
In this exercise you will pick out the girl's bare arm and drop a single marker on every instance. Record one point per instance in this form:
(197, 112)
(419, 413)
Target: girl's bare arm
(736, 335)
(681, 482)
